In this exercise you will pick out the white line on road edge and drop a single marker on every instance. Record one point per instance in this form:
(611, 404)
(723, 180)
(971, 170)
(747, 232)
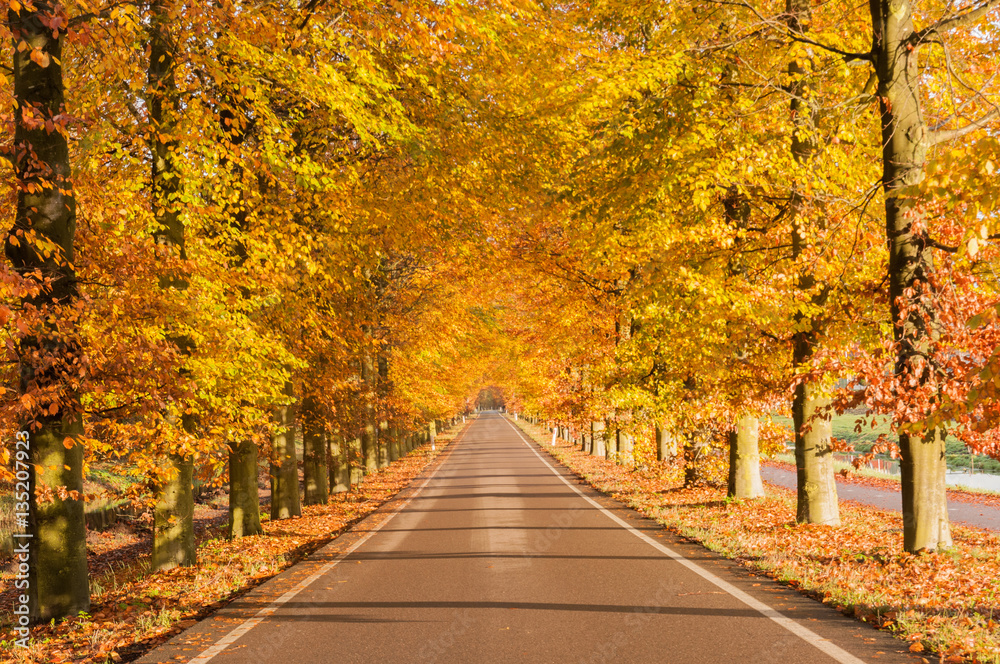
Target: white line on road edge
(804, 633)
(226, 641)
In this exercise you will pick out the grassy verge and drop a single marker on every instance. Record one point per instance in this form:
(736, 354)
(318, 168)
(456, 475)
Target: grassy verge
(133, 611)
(943, 605)
(844, 428)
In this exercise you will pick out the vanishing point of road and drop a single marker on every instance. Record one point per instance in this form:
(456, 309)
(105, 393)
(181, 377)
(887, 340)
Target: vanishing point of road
(497, 555)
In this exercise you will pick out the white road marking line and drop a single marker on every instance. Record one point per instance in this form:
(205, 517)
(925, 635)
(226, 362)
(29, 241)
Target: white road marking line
(807, 635)
(215, 649)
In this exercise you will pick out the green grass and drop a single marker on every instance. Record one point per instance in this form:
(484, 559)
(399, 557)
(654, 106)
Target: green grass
(956, 453)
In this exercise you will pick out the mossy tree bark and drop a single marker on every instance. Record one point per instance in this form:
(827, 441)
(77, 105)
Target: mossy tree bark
(744, 460)
(284, 464)
(58, 583)
(244, 497)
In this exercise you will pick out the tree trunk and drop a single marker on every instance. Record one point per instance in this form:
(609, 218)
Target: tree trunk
(926, 526)
(284, 464)
(58, 583)
(173, 518)
(383, 444)
(314, 468)
(905, 142)
(817, 489)
(394, 444)
(744, 460)
(369, 431)
(244, 498)
(625, 448)
(382, 390)
(356, 461)
(340, 471)
(610, 442)
(431, 431)
(666, 445)
(173, 533)
(598, 448)
(694, 444)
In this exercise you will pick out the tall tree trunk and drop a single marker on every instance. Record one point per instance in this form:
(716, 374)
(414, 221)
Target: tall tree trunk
(173, 534)
(284, 464)
(314, 468)
(244, 493)
(383, 443)
(744, 460)
(816, 487)
(58, 583)
(369, 431)
(382, 390)
(905, 141)
(340, 471)
(244, 498)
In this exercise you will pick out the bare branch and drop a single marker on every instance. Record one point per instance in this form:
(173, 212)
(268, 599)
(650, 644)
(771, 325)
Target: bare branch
(936, 137)
(847, 55)
(968, 17)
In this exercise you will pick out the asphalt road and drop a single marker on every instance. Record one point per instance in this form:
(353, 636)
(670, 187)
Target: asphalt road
(972, 514)
(495, 556)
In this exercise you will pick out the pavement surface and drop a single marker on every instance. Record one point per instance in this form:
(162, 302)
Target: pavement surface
(496, 555)
(980, 516)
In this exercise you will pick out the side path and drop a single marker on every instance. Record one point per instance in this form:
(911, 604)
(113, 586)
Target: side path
(981, 516)
(498, 556)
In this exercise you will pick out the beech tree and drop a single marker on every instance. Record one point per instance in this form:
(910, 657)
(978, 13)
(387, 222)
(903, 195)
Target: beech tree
(40, 247)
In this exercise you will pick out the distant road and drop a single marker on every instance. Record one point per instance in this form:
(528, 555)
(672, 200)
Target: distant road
(982, 516)
(500, 558)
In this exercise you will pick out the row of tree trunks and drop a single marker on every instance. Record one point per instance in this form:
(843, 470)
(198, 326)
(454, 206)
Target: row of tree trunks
(331, 464)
